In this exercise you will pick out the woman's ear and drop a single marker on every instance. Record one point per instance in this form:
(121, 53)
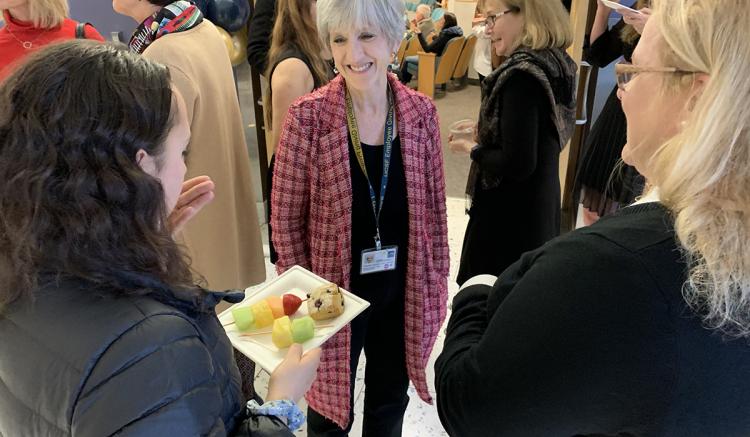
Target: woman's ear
(146, 162)
(700, 82)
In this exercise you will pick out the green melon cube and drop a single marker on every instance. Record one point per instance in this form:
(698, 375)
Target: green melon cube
(303, 329)
(244, 318)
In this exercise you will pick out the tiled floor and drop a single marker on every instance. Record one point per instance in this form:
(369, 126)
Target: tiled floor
(421, 419)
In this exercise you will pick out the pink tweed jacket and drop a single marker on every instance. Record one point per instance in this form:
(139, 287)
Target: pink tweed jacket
(311, 220)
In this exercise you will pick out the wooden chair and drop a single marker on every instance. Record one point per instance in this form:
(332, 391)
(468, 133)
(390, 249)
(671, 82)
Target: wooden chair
(462, 66)
(401, 51)
(413, 47)
(428, 76)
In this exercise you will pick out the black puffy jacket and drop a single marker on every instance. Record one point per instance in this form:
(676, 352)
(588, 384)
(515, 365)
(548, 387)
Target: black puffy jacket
(82, 362)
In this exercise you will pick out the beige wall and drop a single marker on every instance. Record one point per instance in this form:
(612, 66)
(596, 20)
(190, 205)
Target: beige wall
(464, 14)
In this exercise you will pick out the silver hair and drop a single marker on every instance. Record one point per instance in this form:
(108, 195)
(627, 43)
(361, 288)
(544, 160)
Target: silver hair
(425, 9)
(387, 16)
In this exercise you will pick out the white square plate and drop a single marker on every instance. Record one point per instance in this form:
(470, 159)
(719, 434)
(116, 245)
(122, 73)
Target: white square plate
(617, 6)
(298, 281)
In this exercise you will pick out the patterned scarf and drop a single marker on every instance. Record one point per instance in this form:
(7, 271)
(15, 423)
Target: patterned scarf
(556, 72)
(175, 17)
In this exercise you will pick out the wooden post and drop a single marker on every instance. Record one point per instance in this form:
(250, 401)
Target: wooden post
(426, 74)
(580, 13)
(579, 17)
(260, 126)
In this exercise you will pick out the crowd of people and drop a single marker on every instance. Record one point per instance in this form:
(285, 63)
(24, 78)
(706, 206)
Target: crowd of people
(126, 200)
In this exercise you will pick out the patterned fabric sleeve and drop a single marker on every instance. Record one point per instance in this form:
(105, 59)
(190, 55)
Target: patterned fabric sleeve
(439, 222)
(290, 198)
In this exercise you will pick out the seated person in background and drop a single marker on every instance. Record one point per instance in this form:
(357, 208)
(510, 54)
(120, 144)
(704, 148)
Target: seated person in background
(448, 29)
(103, 329)
(637, 325)
(423, 20)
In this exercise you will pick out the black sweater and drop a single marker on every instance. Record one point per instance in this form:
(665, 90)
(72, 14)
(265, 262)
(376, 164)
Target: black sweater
(609, 47)
(590, 334)
(394, 222)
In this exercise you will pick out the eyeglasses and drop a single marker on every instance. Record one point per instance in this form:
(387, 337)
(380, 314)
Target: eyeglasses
(625, 72)
(490, 20)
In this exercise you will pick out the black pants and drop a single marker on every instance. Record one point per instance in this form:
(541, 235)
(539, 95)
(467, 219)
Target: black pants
(380, 330)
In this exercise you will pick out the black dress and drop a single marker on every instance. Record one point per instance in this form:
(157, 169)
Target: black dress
(523, 212)
(379, 330)
(607, 183)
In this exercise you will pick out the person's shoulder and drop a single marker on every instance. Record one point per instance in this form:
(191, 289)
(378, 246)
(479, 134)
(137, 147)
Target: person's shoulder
(520, 85)
(202, 41)
(290, 68)
(329, 96)
(74, 320)
(623, 249)
(638, 240)
(411, 99)
(521, 78)
(89, 31)
(637, 228)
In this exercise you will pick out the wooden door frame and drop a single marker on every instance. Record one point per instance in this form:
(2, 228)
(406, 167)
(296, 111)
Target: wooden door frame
(582, 16)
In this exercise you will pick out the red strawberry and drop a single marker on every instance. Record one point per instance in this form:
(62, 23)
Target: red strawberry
(291, 303)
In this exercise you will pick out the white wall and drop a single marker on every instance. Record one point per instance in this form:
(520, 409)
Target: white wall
(464, 14)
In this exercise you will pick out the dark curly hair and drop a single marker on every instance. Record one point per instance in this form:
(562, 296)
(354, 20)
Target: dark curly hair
(74, 202)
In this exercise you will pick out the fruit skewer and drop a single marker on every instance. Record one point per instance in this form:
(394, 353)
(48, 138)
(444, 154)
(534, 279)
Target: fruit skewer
(252, 334)
(281, 308)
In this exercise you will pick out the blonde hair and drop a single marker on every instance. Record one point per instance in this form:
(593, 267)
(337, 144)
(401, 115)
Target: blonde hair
(546, 24)
(703, 173)
(47, 14)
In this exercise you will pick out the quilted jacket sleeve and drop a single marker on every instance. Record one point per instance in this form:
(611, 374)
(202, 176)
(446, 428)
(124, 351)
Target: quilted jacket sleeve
(156, 379)
(290, 197)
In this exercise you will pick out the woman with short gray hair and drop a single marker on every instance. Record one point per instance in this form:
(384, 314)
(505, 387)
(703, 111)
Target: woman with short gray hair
(359, 198)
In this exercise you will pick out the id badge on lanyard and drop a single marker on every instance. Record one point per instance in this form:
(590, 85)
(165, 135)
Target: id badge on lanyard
(379, 258)
(374, 260)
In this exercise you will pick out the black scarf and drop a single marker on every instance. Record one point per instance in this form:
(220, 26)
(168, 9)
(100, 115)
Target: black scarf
(556, 71)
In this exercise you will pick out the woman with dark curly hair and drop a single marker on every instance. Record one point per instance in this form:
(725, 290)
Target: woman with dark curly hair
(102, 328)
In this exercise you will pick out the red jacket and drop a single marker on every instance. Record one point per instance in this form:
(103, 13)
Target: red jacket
(311, 221)
(12, 50)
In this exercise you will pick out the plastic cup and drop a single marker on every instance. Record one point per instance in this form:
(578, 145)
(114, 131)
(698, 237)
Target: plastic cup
(463, 129)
